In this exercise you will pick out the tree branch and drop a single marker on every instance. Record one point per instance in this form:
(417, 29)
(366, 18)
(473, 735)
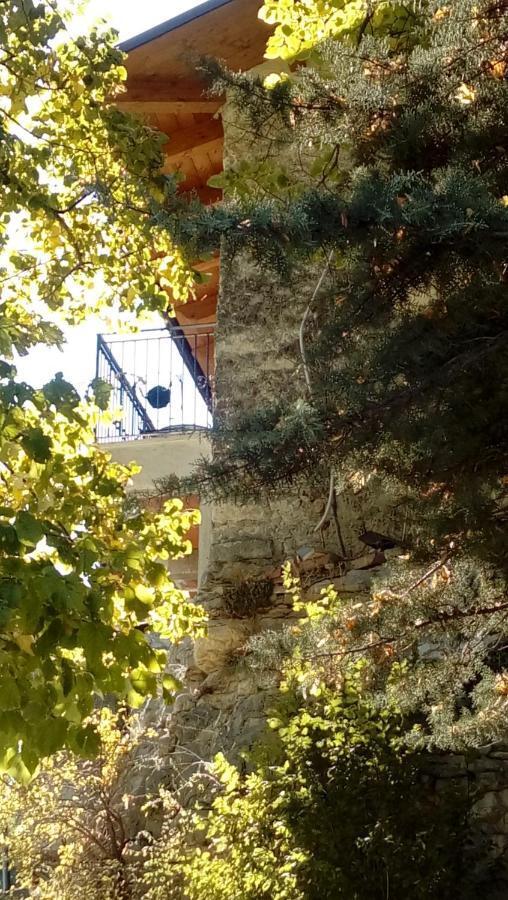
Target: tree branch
(306, 315)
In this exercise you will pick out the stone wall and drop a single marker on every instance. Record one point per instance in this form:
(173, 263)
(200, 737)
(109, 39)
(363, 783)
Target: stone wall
(224, 705)
(483, 776)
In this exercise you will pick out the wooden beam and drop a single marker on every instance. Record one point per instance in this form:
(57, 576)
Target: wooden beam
(207, 265)
(166, 107)
(171, 163)
(170, 90)
(197, 310)
(199, 135)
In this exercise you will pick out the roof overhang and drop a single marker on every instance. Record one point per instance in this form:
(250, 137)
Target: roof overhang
(165, 88)
(166, 55)
(171, 24)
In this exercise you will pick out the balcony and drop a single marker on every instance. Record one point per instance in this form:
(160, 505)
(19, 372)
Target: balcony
(162, 381)
(162, 398)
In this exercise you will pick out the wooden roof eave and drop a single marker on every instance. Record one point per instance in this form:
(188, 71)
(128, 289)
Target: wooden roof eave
(164, 87)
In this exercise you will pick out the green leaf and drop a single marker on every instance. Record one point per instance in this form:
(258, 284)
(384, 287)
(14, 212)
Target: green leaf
(170, 683)
(10, 697)
(51, 735)
(144, 594)
(85, 740)
(9, 542)
(217, 181)
(28, 528)
(134, 699)
(18, 770)
(7, 370)
(37, 445)
(101, 392)
(143, 682)
(60, 392)
(11, 592)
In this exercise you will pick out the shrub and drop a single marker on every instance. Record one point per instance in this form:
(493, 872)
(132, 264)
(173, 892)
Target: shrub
(70, 830)
(245, 598)
(342, 811)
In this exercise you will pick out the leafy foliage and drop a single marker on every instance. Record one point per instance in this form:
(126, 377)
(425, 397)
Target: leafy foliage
(428, 645)
(79, 182)
(334, 806)
(300, 26)
(72, 831)
(335, 810)
(82, 578)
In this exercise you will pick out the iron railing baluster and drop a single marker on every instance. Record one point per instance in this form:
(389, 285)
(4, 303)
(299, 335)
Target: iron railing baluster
(148, 354)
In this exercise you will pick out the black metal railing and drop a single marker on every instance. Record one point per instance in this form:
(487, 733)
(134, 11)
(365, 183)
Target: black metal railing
(161, 380)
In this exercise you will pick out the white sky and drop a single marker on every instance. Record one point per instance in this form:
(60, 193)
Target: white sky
(77, 358)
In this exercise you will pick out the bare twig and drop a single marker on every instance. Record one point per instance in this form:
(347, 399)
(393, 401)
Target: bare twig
(338, 529)
(365, 24)
(329, 502)
(428, 574)
(304, 322)
(461, 614)
(351, 650)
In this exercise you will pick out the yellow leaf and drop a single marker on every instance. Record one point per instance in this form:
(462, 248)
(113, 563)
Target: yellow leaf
(498, 68)
(465, 94)
(24, 642)
(274, 79)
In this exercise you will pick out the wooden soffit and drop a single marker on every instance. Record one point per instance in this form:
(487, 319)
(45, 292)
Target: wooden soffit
(163, 60)
(165, 88)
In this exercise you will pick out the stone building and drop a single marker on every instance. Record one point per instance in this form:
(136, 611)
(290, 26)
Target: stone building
(229, 347)
(226, 347)
(164, 88)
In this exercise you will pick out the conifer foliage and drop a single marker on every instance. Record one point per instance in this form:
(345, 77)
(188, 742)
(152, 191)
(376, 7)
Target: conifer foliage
(406, 209)
(408, 355)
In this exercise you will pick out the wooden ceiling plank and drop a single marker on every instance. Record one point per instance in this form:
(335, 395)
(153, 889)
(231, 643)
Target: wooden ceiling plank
(173, 162)
(185, 168)
(196, 135)
(186, 122)
(202, 291)
(168, 90)
(192, 178)
(197, 310)
(166, 107)
(233, 33)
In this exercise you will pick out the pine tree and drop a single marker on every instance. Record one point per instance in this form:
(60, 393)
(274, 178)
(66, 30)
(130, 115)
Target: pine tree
(405, 353)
